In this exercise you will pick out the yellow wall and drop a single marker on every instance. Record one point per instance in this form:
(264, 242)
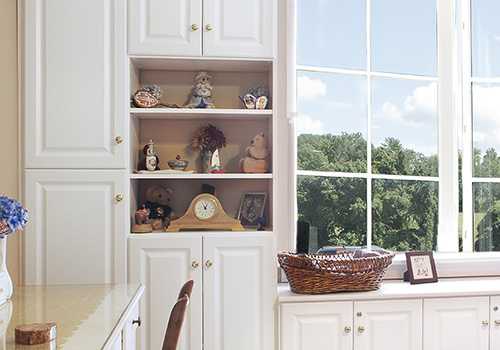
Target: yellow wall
(9, 149)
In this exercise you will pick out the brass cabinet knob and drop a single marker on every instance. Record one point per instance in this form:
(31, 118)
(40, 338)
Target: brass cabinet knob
(138, 321)
(359, 314)
(495, 308)
(209, 263)
(195, 264)
(347, 329)
(119, 197)
(497, 322)
(209, 27)
(485, 323)
(118, 139)
(195, 27)
(361, 329)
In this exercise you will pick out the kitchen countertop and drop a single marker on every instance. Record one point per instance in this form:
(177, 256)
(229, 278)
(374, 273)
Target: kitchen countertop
(86, 315)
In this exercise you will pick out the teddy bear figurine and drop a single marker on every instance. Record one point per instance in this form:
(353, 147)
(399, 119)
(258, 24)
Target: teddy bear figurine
(257, 160)
(202, 97)
(158, 203)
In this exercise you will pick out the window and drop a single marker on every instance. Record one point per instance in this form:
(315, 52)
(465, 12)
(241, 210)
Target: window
(384, 138)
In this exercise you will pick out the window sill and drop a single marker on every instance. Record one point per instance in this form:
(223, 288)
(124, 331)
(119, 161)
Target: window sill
(453, 265)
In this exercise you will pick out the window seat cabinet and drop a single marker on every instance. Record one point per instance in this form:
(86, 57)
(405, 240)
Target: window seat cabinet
(451, 314)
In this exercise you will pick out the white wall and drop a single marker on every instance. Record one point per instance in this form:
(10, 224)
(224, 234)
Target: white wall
(9, 149)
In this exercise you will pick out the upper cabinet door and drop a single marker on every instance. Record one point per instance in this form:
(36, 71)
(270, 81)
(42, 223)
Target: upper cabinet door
(212, 28)
(73, 59)
(239, 28)
(165, 27)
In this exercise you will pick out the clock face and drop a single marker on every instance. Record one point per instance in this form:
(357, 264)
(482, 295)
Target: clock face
(205, 208)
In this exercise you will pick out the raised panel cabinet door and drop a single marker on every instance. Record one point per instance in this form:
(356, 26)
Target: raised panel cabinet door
(165, 27)
(388, 325)
(77, 228)
(495, 322)
(312, 326)
(239, 28)
(239, 291)
(456, 323)
(163, 263)
(73, 90)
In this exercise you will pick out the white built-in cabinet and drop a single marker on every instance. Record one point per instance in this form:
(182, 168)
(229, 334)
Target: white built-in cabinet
(213, 28)
(389, 320)
(74, 154)
(361, 325)
(234, 292)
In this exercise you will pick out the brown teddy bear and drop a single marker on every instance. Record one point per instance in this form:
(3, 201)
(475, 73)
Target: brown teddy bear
(257, 160)
(158, 203)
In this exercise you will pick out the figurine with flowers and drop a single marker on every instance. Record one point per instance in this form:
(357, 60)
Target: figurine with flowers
(12, 218)
(208, 139)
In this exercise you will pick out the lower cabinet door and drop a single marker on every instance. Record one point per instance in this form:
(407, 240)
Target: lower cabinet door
(239, 291)
(456, 323)
(313, 326)
(163, 264)
(388, 325)
(495, 322)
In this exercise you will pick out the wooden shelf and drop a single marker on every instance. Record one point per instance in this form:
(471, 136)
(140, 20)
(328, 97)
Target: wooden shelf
(190, 113)
(201, 176)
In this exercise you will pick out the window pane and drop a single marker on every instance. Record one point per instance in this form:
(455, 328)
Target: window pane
(485, 38)
(403, 36)
(332, 105)
(404, 127)
(405, 214)
(335, 208)
(331, 33)
(486, 129)
(486, 217)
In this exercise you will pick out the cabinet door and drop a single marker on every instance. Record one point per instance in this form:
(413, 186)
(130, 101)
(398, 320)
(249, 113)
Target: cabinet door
(239, 28)
(388, 325)
(165, 27)
(495, 322)
(74, 94)
(77, 228)
(163, 264)
(239, 291)
(312, 326)
(129, 333)
(456, 323)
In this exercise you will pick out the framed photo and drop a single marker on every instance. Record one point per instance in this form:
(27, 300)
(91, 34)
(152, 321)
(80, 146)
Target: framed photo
(421, 267)
(252, 208)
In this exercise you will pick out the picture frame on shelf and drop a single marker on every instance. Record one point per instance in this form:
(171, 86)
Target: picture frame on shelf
(252, 208)
(421, 267)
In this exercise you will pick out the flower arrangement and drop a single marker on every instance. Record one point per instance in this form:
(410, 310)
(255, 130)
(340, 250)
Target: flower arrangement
(12, 216)
(208, 138)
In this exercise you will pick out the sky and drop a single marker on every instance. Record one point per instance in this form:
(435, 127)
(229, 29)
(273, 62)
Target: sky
(333, 33)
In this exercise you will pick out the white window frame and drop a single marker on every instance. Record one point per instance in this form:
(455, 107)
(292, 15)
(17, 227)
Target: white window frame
(452, 101)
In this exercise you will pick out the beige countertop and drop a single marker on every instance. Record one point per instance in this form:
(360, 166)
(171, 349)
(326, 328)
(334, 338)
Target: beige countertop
(86, 315)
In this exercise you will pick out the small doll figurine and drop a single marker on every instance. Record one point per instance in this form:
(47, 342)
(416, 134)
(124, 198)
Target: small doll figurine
(202, 97)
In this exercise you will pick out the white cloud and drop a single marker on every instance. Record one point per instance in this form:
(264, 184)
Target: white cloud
(310, 89)
(417, 110)
(306, 125)
(497, 37)
(486, 109)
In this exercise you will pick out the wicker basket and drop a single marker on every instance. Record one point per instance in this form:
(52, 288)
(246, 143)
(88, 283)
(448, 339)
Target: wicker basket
(320, 274)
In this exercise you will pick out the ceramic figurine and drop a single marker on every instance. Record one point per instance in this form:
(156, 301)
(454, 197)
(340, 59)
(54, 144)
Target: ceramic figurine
(151, 156)
(202, 97)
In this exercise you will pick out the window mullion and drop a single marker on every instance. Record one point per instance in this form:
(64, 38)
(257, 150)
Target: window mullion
(467, 147)
(369, 216)
(448, 155)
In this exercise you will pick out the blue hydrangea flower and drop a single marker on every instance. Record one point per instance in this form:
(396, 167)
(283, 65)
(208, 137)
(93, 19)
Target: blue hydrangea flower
(12, 214)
